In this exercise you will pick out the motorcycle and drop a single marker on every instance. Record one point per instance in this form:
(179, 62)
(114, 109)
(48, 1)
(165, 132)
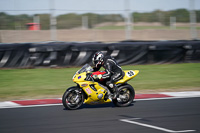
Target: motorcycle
(90, 91)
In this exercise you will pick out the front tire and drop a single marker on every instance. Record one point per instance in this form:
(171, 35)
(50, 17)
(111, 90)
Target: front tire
(126, 96)
(72, 98)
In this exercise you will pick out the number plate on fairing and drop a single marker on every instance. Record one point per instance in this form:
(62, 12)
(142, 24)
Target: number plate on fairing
(130, 73)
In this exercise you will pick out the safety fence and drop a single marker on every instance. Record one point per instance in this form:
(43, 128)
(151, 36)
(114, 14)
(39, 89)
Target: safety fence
(67, 54)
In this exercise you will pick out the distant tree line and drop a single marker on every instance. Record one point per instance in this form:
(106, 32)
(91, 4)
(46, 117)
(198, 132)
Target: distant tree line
(182, 15)
(72, 20)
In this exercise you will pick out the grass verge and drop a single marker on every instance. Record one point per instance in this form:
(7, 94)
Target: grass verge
(37, 83)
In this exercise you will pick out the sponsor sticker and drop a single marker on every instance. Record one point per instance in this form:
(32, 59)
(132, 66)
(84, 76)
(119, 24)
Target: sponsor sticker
(88, 90)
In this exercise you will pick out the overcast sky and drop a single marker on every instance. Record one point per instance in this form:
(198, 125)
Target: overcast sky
(95, 6)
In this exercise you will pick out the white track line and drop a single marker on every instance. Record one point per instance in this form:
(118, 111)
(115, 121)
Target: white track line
(154, 127)
(165, 98)
(8, 104)
(28, 106)
(182, 94)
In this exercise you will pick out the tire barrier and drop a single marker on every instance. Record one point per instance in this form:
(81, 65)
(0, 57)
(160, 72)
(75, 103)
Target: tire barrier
(67, 54)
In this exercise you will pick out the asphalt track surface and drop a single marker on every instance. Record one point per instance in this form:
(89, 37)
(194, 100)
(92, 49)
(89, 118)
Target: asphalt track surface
(149, 116)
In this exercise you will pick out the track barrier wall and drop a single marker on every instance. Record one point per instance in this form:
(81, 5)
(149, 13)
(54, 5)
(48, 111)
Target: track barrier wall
(67, 54)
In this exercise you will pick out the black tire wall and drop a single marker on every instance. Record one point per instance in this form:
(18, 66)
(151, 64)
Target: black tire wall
(67, 54)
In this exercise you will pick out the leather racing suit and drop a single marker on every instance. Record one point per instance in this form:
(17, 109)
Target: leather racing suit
(113, 71)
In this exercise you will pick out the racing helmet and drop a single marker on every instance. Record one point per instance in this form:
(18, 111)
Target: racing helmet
(97, 59)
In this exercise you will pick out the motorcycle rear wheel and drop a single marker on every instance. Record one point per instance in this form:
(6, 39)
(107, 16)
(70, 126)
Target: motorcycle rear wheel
(126, 96)
(72, 99)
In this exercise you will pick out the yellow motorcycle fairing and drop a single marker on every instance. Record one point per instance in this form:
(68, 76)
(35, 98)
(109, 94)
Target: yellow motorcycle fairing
(97, 96)
(92, 94)
(129, 74)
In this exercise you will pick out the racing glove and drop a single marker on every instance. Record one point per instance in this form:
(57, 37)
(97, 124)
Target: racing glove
(97, 77)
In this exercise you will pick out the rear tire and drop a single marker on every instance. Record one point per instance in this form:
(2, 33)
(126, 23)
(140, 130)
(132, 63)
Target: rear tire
(126, 96)
(72, 98)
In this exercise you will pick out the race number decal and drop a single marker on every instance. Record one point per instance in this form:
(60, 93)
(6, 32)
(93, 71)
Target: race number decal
(130, 73)
(88, 90)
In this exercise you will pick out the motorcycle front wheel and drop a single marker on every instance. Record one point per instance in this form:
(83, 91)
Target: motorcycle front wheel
(72, 98)
(126, 96)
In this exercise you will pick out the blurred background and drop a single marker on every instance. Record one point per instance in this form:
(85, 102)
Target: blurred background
(160, 38)
(94, 20)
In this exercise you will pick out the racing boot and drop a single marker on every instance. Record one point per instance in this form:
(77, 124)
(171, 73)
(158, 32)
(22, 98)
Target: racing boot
(115, 92)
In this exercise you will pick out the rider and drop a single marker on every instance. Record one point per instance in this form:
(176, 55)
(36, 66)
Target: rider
(113, 70)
